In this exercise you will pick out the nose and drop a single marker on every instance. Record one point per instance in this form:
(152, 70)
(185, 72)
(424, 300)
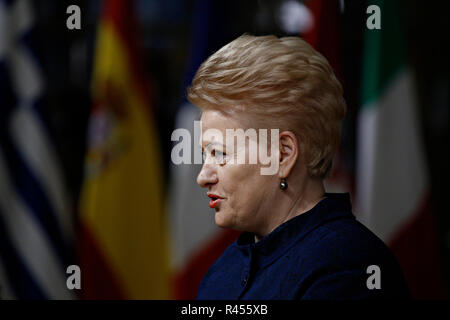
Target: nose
(207, 176)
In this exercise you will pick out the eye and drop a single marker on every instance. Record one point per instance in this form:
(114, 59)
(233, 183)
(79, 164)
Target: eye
(217, 153)
(219, 156)
(204, 155)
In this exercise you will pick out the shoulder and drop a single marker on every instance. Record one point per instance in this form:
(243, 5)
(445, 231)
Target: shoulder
(347, 239)
(340, 256)
(344, 244)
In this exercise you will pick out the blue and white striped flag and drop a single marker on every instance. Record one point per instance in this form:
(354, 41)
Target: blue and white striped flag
(36, 227)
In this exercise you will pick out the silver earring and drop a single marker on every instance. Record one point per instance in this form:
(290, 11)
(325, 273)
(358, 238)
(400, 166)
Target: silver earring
(283, 184)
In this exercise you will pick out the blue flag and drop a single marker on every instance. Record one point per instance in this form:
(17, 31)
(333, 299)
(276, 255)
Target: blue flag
(35, 222)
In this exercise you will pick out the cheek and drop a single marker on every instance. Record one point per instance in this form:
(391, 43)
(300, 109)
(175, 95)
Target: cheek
(245, 186)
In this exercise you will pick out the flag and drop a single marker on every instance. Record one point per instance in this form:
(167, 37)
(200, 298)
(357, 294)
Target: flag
(122, 236)
(393, 189)
(196, 241)
(36, 230)
(325, 33)
(325, 36)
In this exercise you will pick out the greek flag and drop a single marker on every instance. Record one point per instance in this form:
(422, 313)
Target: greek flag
(35, 223)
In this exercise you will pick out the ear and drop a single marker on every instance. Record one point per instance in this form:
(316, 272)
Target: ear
(289, 152)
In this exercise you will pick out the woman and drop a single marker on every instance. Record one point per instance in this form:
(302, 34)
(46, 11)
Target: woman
(297, 241)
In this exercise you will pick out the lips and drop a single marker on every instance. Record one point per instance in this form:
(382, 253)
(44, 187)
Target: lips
(215, 200)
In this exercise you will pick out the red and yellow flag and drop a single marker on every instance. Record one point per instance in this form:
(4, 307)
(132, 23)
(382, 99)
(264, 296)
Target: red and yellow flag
(123, 249)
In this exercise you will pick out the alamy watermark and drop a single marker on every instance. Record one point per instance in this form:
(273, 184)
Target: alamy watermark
(229, 148)
(74, 19)
(373, 22)
(74, 279)
(374, 280)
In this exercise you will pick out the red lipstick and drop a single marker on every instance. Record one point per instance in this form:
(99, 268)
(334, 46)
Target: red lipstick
(215, 200)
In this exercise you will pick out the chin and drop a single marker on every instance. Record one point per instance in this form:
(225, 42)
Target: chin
(222, 220)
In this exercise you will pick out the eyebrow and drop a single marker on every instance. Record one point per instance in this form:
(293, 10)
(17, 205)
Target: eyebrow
(212, 143)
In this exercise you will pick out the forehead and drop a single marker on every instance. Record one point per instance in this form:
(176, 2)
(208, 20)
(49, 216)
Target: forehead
(213, 119)
(212, 122)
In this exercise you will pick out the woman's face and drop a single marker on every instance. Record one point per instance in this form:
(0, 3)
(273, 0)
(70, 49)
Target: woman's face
(241, 196)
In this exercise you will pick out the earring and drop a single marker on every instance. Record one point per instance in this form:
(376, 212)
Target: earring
(283, 184)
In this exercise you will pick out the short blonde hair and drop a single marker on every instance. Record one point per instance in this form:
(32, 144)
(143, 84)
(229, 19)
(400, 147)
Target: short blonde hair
(282, 83)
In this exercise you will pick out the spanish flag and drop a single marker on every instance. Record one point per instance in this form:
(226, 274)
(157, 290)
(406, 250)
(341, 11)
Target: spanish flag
(122, 231)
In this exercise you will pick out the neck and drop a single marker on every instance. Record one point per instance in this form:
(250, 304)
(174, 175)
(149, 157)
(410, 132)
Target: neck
(295, 200)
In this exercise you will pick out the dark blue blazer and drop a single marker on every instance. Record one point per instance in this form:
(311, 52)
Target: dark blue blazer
(324, 253)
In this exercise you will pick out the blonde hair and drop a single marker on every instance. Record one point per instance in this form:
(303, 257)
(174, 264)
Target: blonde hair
(282, 83)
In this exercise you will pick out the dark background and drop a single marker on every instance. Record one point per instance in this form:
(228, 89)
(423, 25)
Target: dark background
(167, 39)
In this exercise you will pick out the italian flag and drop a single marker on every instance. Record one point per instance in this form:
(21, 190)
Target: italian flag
(393, 190)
